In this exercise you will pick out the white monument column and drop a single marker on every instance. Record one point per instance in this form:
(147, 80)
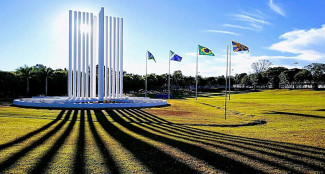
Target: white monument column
(121, 57)
(83, 57)
(91, 54)
(79, 56)
(106, 57)
(75, 56)
(114, 54)
(110, 59)
(95, 55)
(87, 57)
(117, 58)
(101, 55)
(70, 56)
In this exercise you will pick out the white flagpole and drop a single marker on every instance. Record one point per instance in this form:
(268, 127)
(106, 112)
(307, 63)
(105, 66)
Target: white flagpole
(169, 78)
(146, 75)
(229, 70)
(197, 62)
(226, 85)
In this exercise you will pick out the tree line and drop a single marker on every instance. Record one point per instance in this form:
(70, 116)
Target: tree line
(42, 80)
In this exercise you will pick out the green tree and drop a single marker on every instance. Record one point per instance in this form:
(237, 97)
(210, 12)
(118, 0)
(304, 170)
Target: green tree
(304, 76)
(246, 81)
(317, 71)
(45, 73)
(177, 79)
(272, 74)
(239, 77)
(288, 76)
(25, 72)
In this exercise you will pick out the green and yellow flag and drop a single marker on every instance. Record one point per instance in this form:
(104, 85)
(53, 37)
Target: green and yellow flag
(205, 51)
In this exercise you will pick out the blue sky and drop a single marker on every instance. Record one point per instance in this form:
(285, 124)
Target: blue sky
(285, 32)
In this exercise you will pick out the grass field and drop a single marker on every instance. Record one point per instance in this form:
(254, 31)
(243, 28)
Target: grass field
(276, 131)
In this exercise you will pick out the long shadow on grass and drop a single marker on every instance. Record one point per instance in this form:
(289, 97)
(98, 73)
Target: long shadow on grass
(156, 160)
(295, 114)
(31, 134)
(228, 144)
(15, 157)
(220, 146)
(303, 148)
(44, 161)
(220, 162)
(79, 161)
(110, 164)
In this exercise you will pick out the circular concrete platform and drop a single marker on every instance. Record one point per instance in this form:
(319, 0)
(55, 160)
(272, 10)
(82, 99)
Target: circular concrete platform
(67, 103)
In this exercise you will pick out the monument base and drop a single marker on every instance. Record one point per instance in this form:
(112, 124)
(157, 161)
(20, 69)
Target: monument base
(87, 103)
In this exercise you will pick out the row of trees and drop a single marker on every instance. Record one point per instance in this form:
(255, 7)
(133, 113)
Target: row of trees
(35, 80)
(312, 75)
(42, 80)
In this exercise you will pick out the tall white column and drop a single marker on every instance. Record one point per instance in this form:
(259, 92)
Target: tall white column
(110, 59)
(101, 55)
(114, 55)
(102, 45)
(79, 55)
(91, 54)
(87, 57)
(83, 57)
(95, 54)
(121, 57)
(106, 57)
(117, 58)
(70, 56)
(75, 55)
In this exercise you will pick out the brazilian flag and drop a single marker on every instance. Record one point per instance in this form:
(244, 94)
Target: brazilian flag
(205, 51)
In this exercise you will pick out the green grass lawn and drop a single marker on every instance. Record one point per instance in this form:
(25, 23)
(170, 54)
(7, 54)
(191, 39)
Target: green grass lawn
(190, 136)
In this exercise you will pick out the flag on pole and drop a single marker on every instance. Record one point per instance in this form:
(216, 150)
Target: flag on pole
(205, 51)
(150, 56)
(239, 47)
(174, 57)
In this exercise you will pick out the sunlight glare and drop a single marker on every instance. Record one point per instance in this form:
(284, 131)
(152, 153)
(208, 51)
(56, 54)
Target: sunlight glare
(84, 28)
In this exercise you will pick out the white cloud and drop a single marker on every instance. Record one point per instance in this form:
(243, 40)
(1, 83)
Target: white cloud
(276, 8)
(307, 44)
(255, 20)
(250, 19)
(223, 32)
(239, 27)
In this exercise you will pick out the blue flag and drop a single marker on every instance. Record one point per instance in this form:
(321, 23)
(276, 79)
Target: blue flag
(174, 56)
(150, 56)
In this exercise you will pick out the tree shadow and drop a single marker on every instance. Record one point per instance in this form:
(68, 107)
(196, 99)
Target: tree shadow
(31, 134)
(16, 156)
(229, 145)
(45, 160)
(156, 160)
(220, 162)
(295, 114)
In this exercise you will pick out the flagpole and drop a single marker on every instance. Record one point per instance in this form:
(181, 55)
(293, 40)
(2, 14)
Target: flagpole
(146, 76)
(226, 85)
(197, 62)
(169, 78)
(229, 70)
